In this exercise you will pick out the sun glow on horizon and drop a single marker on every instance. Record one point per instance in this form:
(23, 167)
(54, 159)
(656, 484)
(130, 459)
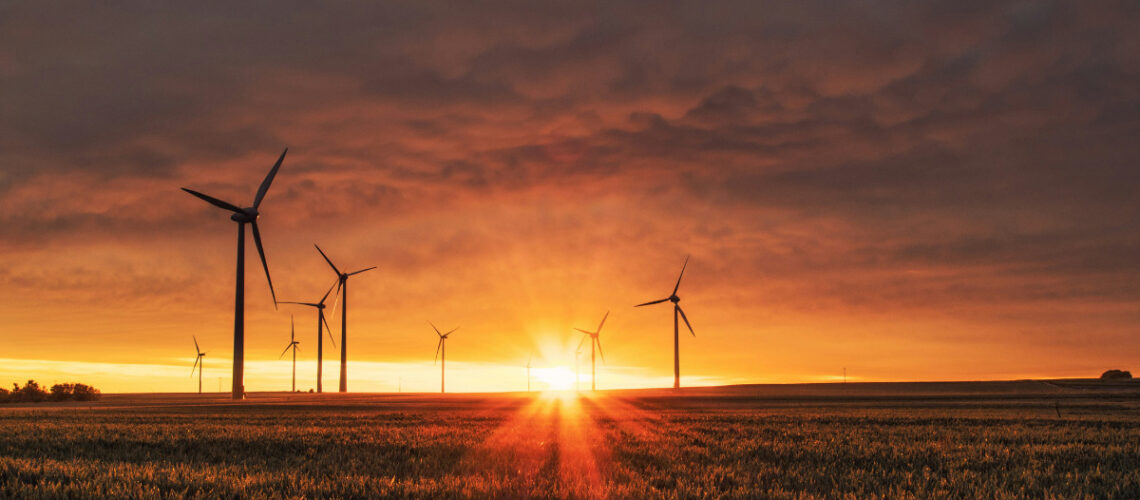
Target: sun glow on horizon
(556, 378)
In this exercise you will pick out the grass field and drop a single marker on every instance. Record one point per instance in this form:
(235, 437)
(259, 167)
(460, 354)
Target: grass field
(948, 440)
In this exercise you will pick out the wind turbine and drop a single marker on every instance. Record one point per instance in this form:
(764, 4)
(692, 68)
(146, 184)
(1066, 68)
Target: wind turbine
(198, 364)
(342, 285)
(676, 309)
(321, 324)
(528, 359)
(577, 369)
(441, 353)
(594, 340)
(245, 216)
(292, 345)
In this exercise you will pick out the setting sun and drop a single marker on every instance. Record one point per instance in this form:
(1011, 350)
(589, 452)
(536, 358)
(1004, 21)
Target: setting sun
(558, 378)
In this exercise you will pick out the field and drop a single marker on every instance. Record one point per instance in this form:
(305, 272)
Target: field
(1039, 439)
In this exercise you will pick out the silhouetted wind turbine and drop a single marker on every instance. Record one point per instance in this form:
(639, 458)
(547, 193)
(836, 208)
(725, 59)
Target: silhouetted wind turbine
(577, 368)
(245, 216)
(528, 359)
(342, 286)
(676, 309)
(198, 364)
(441, 353)
(321, 324)
(292, 345)
(594, 340)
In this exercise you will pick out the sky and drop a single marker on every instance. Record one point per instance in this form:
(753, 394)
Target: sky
(905, 190)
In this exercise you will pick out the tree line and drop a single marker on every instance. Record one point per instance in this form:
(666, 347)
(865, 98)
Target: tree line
(31, 392)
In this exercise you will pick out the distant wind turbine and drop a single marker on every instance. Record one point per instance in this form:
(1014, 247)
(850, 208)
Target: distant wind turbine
(245, 216)
(321, 324)
(676, 336)
(441, 353)
(198, 363)
(528, 359)
(577, 368)
(594, 340)
(292, 345)
(342, 291)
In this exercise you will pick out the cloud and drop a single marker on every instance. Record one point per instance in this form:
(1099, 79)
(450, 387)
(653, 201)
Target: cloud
(842, 159)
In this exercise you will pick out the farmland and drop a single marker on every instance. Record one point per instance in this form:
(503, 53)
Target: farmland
(1069, 439)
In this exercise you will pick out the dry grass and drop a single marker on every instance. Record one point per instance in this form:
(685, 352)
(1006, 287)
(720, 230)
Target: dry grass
(733, 442)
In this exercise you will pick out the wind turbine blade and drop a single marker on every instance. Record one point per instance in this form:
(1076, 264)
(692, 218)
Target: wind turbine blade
(310, 304)
(682, 311)
(654, 302)
(268, 180)
(329, 329)
(336, 296)
(599, 330)
(451, 332)
(583, 341)
(599, 342)
(584, 331)
(362, 270)
(437, 347)
(195, 365)
(264, 264)
(322, 301)
(285, 351)
(292, 330)
(434, 328)
(214, 201)
(682, 275)
(327, 259)
(196, 348)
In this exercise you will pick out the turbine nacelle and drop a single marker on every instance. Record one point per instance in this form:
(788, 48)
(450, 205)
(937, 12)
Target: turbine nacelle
(674, 299)
(248, 214)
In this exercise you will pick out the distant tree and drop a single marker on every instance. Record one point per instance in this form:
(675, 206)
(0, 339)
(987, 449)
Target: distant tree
(61, 392)
(84, 392)
(33, 393)
(30, 392)
(1116, 375)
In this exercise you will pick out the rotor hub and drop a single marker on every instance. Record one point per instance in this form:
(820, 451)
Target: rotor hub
(674, 299)
(246, 215)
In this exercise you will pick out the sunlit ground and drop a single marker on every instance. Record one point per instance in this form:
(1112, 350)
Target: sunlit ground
(992, 440)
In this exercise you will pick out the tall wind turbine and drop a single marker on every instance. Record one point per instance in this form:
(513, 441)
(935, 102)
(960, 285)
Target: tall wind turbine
(342, 290)
(577, 370)
(292, 345)
(321, 324)
(441, 353)
(245, 216)
(594, 341)
(198, 363)
(676, 310)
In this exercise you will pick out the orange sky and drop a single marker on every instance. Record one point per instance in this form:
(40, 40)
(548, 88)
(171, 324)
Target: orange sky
(912, 192)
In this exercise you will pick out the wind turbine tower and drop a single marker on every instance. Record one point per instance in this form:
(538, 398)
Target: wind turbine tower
(342, 290)
(676, 300)
(441, 353)
(292, 345)
(321, 323)
(594, 341)
(243, 216)
(198, 364)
